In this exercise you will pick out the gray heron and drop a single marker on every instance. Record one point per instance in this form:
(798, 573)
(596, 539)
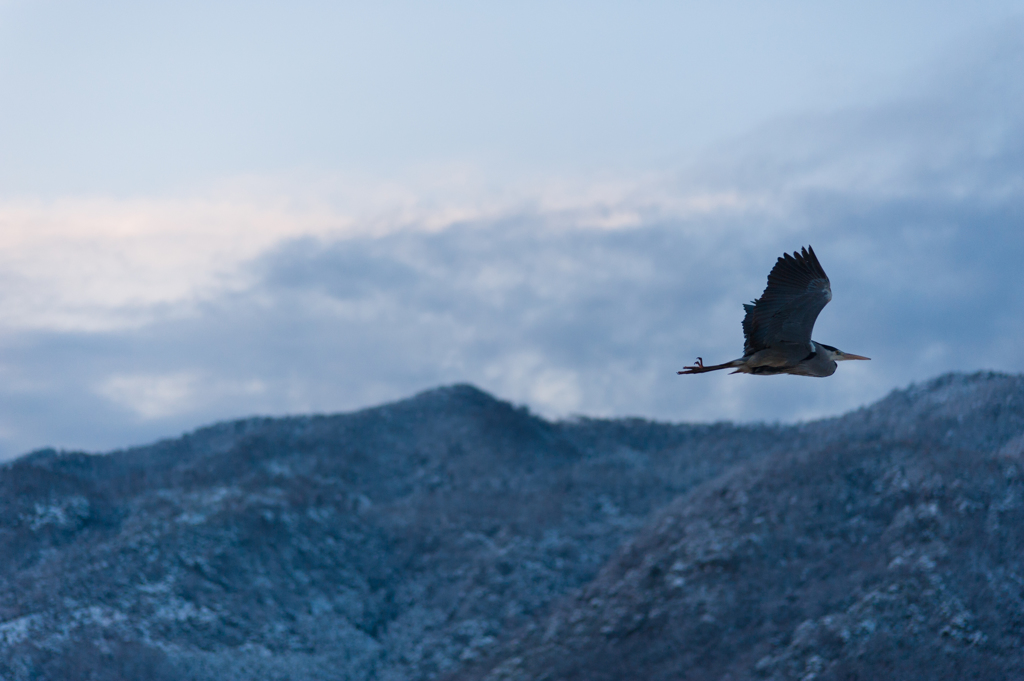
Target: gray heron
(777, 326)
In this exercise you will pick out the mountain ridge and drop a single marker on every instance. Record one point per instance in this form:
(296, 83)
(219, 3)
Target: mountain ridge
(435, 535)
(856, 560)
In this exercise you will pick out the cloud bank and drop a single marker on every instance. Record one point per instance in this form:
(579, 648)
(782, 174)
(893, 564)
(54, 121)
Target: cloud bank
(124, 321)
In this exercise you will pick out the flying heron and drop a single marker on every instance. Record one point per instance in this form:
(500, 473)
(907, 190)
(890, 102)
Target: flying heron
(777, 326)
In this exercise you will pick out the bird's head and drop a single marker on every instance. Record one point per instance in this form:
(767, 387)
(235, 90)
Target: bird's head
(837, 355)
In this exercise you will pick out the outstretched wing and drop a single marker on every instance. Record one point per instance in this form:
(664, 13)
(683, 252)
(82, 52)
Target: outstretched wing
(797, 291)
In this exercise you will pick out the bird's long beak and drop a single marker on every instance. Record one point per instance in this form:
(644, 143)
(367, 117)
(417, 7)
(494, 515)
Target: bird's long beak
(847, 355)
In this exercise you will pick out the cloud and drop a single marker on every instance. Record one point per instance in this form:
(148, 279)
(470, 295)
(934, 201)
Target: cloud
(127, 320)
(94, 264)
(158, 396)
(150, 396)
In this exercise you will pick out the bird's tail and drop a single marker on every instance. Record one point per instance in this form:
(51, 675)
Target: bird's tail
(699, 368)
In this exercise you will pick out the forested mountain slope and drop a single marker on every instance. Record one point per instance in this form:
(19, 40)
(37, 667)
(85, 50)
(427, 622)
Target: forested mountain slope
(892, 549)
(455, 534)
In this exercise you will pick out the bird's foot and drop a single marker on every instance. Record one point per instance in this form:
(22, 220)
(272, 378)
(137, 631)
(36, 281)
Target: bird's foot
(697, 366)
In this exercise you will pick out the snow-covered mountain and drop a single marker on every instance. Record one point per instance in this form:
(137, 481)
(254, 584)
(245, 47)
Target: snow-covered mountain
(453, 534)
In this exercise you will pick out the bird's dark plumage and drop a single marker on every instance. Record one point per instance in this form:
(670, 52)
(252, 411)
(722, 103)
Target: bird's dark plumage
(798, 289)
(777, 327)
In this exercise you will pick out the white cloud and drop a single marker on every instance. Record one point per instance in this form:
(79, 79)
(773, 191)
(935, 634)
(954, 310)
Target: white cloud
(158, 396)
(534, 379)
(151, 396)
(98, 264)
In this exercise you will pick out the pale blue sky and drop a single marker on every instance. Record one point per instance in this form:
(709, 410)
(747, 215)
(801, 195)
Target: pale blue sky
(128, 97)
(213, 210)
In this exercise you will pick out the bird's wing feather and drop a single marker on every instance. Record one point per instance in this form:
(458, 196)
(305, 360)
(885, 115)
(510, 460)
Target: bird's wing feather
(797, 290)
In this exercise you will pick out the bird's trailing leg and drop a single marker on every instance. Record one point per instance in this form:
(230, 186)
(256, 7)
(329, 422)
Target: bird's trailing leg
(699, 368)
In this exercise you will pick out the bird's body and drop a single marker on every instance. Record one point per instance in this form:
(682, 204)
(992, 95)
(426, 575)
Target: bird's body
(777, 326)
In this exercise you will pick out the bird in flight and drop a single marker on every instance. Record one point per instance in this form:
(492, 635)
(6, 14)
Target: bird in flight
(777, 326)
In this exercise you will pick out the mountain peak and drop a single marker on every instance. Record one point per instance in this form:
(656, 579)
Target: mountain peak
(455, 396)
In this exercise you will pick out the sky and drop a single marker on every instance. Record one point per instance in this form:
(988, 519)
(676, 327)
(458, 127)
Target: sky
(217, 210)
